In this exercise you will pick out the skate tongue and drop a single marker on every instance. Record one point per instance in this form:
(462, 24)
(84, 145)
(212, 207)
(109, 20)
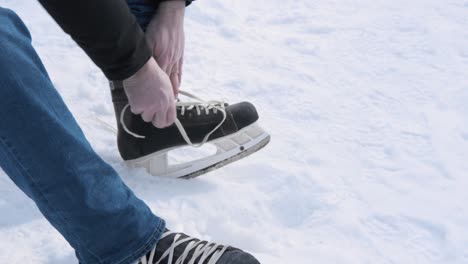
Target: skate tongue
(217, 105)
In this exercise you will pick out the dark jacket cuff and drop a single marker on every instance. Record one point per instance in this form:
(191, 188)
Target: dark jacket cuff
(157, 2)
(138, 52)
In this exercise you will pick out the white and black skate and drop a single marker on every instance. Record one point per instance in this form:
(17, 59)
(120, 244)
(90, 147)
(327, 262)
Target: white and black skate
(232, 129)
(178, 248)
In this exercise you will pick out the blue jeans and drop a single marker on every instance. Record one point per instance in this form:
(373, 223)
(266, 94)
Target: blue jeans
(45, 153)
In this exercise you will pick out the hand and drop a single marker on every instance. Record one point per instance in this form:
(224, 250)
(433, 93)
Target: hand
(166, 36)
(150, 94)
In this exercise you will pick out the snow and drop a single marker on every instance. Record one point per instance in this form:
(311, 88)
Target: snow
(366, 102)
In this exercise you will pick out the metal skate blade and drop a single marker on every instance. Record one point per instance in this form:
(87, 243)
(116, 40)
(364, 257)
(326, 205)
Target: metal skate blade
(227, 161)
(228, 149)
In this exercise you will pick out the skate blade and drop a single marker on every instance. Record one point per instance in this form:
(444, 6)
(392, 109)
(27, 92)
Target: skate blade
(228, 149)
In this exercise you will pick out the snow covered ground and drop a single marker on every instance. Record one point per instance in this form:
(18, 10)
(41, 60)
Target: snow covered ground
(367, 105)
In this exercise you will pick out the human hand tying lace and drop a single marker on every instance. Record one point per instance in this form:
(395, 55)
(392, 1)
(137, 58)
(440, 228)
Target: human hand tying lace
(150, 94)
(166, 36)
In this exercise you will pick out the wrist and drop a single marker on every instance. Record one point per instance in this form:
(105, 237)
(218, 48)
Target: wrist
(146, 70)
(172, 6)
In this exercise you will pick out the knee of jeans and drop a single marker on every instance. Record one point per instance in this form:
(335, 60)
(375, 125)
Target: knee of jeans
(12, 28)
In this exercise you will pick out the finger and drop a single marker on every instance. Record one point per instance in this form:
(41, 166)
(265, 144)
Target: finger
(159, 120)
(164, 62)
(166, 68)
(175, 81)
(148, 116)
(180, 67)
(136, 111)
(179, 73)
(171, 115)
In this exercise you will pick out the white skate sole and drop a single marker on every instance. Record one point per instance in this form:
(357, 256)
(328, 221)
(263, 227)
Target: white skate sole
(228, 149)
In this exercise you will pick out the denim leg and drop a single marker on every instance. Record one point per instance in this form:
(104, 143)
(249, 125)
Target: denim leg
(143, 10)
(45, 153)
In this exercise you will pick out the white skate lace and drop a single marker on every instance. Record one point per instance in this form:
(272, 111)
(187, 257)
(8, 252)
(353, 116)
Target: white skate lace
(200, 249)
(200, 106)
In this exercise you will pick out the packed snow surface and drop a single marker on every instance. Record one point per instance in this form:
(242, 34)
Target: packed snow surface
(367, 105)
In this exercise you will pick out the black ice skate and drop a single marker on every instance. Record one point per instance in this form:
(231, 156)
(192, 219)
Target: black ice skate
(178, 248)
(231, 128)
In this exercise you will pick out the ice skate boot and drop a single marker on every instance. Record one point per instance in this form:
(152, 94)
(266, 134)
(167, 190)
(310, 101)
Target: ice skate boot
(232, 129)
(178, 248)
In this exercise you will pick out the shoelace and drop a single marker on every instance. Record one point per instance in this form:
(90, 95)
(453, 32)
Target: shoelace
(200, 249)
(198, 106)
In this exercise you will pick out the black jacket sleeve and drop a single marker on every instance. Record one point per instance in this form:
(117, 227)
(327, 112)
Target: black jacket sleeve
(157, 2)
(106, 30)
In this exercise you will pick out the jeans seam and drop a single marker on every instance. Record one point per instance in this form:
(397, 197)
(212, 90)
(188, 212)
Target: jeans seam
(157, 233)
(61, 218)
